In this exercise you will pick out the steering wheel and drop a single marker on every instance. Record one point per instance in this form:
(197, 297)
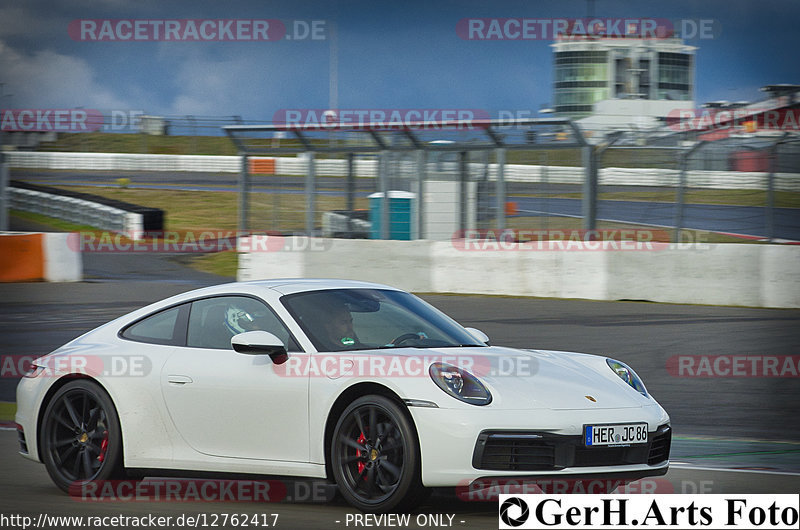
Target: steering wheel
(408, 336)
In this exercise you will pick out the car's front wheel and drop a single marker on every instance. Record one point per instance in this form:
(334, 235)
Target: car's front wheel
(375, 456)
(81, 440)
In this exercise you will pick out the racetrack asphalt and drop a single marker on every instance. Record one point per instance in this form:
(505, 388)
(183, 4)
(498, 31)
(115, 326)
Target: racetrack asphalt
(732, 435)
(38, 317)
(25, 489)
(744, 220)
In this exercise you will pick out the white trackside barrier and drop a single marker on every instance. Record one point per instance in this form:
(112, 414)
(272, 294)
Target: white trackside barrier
(369, 168)
(716, 274)
(74, 210)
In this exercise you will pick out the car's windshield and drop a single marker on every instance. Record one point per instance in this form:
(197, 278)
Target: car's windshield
(359, 319)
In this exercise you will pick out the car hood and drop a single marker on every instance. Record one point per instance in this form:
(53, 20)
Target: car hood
(526, 379)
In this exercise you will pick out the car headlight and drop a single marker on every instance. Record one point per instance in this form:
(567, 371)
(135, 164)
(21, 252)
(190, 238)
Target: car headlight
(627, 374)
(460, 384)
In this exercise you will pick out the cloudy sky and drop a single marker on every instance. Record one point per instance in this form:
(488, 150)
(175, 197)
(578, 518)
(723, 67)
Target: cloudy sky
(390, 55)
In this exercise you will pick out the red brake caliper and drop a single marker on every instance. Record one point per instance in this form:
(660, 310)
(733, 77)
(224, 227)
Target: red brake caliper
(103, 447)
(361, 440)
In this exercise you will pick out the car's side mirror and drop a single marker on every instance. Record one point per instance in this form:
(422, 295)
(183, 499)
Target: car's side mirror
(260, 343)
(478, 334)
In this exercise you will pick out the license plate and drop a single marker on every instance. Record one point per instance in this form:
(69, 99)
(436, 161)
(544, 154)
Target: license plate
(616, 434)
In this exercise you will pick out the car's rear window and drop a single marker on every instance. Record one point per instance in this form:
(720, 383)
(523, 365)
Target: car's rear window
(158, 328)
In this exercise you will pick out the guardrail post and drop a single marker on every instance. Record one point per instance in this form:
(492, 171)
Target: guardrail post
(680, 197)
(421, 168)
(463, 178)
(244, 193)
(3, 192)
(383, 188)
(311, 182)
(500, 188)
(589, 203)
(350, 189)
(350, 183)
(680, 194)
(3, 185)
(597, 161)
(769, 213)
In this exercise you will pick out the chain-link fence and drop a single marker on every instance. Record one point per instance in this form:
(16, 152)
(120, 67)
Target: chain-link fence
(530, 177)
(437, 181)
(730, 189)
(636, 186)
(434, 182)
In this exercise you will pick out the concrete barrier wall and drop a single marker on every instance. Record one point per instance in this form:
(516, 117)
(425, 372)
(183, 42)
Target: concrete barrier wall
(63, 262)
(369, 168)
(716, 274)
(39, 256)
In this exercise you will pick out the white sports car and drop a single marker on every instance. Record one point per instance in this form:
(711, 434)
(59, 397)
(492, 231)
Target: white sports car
(362, 384)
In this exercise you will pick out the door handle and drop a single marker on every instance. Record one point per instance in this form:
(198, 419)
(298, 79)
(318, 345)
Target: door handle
(179, 379)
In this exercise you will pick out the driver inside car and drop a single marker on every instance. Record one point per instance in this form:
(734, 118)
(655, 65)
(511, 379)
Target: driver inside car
(337, 327)
(239, 321)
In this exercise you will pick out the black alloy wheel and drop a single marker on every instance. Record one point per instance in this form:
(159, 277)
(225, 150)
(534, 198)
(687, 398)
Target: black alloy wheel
(81, 440)
(375, 456)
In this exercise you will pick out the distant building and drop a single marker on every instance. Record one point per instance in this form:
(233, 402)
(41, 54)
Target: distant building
(155, 125)
(631, 82)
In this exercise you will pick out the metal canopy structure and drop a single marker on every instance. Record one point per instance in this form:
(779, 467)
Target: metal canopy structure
(420, 137)
(485, 134)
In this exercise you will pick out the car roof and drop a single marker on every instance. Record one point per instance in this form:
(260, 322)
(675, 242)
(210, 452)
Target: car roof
(281, 286)
(290, 285)
(296, 285)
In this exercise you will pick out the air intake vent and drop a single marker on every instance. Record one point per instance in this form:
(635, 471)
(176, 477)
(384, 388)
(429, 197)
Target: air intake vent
(514, 452)
(23, 445)
(660, 445)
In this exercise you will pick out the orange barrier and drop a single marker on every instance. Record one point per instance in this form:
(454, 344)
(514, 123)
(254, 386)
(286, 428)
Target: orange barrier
(262, 166)
(511, 208)
(21, 257)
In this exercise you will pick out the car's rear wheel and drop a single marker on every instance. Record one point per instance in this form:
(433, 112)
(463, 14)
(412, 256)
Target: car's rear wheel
(81, 440)
(375, 456)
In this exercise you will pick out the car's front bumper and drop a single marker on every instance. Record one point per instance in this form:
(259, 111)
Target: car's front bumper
(449, 442)
(30, 392)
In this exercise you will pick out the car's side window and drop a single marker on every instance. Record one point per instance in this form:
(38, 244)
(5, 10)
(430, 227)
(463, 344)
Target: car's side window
(163, 327)
(213, 321)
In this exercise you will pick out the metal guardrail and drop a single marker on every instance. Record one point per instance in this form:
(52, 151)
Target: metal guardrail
(76, 211)
(85, 209)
